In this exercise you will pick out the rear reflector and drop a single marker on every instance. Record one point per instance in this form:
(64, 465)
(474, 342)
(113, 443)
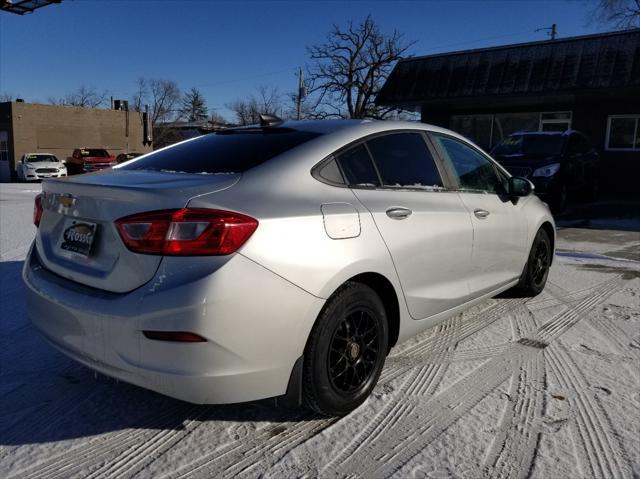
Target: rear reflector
(37, 210)
(175, 336)
(186, 232)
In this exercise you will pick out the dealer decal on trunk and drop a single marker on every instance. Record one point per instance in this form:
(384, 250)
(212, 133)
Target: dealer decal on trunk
(78, 238)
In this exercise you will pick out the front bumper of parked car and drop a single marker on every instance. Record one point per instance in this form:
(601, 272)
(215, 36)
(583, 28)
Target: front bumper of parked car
(35, 175)
(255, 324)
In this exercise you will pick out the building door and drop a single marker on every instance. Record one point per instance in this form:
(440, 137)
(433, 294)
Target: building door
(5, 168)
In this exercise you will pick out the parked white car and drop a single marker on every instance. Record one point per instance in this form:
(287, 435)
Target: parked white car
(38, 166)
(280, 259)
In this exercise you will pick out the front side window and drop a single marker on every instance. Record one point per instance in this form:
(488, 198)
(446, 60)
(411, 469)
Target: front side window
(472, 169)
(623, 133)
(404, 161)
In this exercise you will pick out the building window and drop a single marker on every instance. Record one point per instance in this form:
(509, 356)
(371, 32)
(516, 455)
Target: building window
(506, 123)
(623, 132)
(555, 120)
(490, 129)
(4, 146)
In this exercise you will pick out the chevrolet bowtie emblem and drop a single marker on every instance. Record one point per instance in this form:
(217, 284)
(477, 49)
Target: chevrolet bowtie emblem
(66, 200)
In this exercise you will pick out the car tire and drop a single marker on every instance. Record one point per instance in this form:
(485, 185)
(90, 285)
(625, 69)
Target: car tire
(346, 350)
(534, 276)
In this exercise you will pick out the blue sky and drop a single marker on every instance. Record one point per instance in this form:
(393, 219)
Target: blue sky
(227, 49)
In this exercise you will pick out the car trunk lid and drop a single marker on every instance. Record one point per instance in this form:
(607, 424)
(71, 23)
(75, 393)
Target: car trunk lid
(77, 238)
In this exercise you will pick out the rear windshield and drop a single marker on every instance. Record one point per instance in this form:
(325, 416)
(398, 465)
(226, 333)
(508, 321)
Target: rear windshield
(93, 153)
(531, 145)
(231, 151)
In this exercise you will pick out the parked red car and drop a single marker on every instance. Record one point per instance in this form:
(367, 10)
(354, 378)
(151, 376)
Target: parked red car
(85, 160)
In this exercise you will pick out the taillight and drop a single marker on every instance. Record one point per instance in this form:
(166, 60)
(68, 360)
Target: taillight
(186, 232)
(37, 210)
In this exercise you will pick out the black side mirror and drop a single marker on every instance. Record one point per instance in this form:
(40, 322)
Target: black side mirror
(520, 186)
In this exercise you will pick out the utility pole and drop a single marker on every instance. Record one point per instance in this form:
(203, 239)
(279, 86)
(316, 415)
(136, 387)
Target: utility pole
(301, 93)
(552, 31)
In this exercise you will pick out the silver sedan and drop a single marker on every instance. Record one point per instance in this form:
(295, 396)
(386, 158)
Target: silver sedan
(283, 259)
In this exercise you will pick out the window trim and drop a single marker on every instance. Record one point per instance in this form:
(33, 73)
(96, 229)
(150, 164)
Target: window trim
(493, 162)
(447, 180)
(636, 144)
(555, 121)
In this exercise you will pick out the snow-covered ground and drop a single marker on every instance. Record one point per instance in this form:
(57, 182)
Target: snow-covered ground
(547, 387)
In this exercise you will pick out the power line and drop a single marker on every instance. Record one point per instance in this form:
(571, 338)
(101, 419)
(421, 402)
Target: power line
(468, 42)
(252, 77)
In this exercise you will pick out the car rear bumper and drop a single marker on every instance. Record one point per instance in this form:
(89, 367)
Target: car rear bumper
(256, 325)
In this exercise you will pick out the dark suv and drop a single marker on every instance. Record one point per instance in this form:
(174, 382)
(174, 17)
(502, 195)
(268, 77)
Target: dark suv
(560, 164)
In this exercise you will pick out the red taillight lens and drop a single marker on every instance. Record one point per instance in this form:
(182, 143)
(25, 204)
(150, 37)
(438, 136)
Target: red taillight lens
(186, 232)
(37, 210)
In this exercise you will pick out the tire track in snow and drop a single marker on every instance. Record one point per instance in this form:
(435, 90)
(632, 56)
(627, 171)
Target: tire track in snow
(95, 452)
(617, 338)
(434, 415)
(512, 451)
(134, 459)
(599, 453)
(237, 457)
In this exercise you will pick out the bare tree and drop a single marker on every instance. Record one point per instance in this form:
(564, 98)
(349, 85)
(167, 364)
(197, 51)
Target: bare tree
(621, 14)
(349, 69)
(86, 97)
(6, 96)
(193, 106)
(217, 118)
(163, 98)
(267, 101)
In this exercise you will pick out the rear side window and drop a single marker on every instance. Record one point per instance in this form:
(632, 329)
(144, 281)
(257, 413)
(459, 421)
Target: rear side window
(473, 170)
(357, 167)
(330, 172)
(403, 160)
(233, 151)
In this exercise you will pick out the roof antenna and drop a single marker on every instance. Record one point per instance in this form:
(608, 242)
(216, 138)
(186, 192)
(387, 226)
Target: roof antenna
(270, 120)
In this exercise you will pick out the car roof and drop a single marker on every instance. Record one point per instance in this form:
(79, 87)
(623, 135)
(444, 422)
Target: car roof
(331, 126)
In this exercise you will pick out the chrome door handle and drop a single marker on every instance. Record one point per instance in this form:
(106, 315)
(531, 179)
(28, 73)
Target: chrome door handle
(399, 213)
(482, 214)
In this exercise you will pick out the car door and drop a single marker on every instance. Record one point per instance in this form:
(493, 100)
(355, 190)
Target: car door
(426, 227)
(499, 226)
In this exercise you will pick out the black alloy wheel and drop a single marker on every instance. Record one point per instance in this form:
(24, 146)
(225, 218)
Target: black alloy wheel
(540, 266)
(346, 350)
(536, 272)
(353, 351)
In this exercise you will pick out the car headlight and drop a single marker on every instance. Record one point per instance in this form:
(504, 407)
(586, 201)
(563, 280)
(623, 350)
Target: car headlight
(548, 170)
(31, 167)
